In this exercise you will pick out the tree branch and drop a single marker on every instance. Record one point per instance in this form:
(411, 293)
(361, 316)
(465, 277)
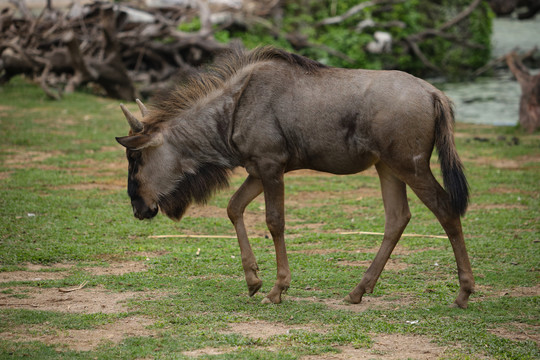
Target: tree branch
(351, 12)
(21, 6)
(454, 21)
(414, 39)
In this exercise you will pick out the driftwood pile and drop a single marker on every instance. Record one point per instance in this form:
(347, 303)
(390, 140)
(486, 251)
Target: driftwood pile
(111, 45)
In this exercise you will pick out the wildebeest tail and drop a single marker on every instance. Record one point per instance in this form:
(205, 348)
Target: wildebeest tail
(453, 175)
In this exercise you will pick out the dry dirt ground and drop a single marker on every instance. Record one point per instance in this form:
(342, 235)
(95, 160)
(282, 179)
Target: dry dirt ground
(85, 300)
(97, 299)
(385, 347)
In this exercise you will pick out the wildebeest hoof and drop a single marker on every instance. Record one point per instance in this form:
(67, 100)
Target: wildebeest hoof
(456, 304)
(351, 300)
(462, 299)
(272, 298)
(267, 300)
(254, 288)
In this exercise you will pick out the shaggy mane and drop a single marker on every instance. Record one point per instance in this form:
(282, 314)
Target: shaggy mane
(198, 188)
(198, 85)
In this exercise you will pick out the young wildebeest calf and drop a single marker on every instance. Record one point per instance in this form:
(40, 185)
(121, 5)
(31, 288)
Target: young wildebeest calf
(272, 112)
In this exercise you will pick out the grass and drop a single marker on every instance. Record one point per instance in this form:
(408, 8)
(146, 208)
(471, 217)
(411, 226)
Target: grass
(63, 201)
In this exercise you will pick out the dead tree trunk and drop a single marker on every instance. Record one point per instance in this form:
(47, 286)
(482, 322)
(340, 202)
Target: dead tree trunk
(529, 106)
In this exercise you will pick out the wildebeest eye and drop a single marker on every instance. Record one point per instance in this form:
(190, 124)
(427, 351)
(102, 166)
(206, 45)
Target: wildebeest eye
(134, 162)
(133, 155)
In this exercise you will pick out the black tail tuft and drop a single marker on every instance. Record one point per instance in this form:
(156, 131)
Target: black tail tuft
(456, 185)
(453, 174)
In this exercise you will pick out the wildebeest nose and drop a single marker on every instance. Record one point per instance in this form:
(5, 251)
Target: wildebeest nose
(141, 211)
(146, 213)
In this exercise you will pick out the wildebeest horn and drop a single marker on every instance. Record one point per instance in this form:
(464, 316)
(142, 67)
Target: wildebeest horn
(144, 110)
(134, 123)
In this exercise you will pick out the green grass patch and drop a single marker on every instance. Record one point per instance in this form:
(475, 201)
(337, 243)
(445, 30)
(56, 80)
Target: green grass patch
(65, 219)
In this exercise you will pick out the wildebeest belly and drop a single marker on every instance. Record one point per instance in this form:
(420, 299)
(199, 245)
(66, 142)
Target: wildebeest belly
(337, 149)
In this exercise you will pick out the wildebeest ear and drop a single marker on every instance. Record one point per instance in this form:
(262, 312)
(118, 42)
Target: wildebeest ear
(238, 87)
(141, 141)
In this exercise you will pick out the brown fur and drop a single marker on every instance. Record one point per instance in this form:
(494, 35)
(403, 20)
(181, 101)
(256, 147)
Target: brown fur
(272, 112)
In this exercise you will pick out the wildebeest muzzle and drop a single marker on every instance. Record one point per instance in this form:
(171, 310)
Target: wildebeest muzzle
(142, 211)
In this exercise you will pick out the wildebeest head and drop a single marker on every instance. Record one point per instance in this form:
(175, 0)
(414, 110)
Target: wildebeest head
(159, 177)
(140, 148)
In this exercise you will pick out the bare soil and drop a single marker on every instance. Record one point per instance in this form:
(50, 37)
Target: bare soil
(399, 250)
(20, 159)
(385, 347)
(83, 340)
(60, 271)
(30, 276)
(488, 291)
(98, 299)
(511, 164)
(388, 347)
(496, 206)
(208, 351)
(319, 198)
(257, 329)
(518, 332)
(369, 302)
(392, 264)
(86, 300)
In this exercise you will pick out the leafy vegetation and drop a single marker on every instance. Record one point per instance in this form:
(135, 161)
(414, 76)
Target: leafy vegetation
(467, 45)
(63, 204)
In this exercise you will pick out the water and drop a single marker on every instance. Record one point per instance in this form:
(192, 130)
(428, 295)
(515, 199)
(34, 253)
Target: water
(495, 100)
(492, 101)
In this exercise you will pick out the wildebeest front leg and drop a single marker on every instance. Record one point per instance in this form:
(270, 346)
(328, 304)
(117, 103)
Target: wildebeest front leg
(249, 190)
(397, 215)
(274, 196)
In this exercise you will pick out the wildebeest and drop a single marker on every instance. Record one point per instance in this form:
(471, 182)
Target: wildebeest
(271, 112)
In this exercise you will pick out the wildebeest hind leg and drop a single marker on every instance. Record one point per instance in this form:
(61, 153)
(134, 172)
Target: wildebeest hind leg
(249, 190)
(438, 201)
(397, 216)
